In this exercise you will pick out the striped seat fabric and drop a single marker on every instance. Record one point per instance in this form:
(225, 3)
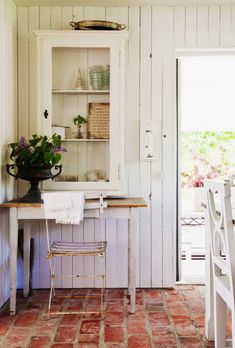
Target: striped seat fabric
(77, 248)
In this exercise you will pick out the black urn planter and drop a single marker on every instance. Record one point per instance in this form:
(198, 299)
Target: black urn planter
(34, 174)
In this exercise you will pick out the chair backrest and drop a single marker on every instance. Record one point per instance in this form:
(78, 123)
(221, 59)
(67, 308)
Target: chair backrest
(94, 202)
(220, 224)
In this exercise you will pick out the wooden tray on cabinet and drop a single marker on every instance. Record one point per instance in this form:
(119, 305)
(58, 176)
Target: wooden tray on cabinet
(97, 25)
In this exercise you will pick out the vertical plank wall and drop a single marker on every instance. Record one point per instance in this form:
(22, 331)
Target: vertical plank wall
(8, 122)
(155, 32)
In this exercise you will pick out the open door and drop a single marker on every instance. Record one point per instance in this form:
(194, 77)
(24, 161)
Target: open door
(206, 145)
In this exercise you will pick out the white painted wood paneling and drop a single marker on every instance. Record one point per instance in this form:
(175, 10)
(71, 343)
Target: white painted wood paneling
(168, 164)
(32, 25)
(145, 250)
(225, 25)
(150, 97)
(179, 26)
(214, 26)
(8, 128)
(132, 125)
(156, 168)
(23, 82)
(191, 26)
(202, 26)
(233, 26)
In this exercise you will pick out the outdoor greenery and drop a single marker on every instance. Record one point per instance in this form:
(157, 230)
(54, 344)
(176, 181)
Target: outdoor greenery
(40, 150)
(206, 155)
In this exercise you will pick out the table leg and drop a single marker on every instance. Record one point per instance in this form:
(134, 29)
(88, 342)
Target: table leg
(133, 230)
(27, 230)
(209, 296)
(13, 225)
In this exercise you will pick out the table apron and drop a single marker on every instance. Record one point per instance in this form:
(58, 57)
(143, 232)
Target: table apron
(109, 213)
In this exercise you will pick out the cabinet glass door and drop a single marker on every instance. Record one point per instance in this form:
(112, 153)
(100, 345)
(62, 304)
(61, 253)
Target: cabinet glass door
(81, 112)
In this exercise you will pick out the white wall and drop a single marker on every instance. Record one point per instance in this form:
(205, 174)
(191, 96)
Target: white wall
(154, 34)
(8, 126)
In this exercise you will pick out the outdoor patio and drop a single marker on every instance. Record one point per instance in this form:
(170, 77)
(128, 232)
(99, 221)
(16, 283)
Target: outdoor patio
(164, 318)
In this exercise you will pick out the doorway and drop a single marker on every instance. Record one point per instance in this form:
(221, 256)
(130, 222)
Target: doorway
(206, 145)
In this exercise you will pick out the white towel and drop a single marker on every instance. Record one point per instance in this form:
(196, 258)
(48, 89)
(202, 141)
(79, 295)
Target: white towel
(64, 207)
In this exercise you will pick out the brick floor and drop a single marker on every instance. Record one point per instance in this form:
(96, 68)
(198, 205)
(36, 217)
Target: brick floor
(164, 318)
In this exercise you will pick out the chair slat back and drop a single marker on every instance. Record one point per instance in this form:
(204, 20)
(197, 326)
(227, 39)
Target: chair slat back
(94, 200)
(222, 241)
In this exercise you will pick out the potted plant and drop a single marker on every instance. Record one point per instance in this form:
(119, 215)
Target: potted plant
(34, 159)
(79, 120)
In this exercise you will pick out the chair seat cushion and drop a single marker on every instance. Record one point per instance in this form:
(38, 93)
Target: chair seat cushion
(77, 248)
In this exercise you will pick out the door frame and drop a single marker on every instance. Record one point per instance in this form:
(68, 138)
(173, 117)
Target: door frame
(180, 53)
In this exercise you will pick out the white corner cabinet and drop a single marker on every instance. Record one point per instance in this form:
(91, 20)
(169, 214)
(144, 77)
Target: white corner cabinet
(81, 73)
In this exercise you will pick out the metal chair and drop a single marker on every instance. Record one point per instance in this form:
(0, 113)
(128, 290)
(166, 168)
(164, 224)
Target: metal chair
(69, 249)
(222, 246)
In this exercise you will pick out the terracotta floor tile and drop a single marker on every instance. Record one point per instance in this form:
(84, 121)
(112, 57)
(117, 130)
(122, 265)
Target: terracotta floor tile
(45, 328)
(62, 345)
(114, 345)
(153, 293)
(26, 319)
(115, 294)
(86, 345)
(200, 321)
(166, 342)
(15, 340)
(4, 326)
(164, 318)
(142, 341)
(180, 316)
(112, 307)
(66, 334)
(136, 327)
(113, 334)
(74, 307)
(70, 319)
(89, 338)
(90, 327)
(114, 318)
(161, 331)
(188, 342)
(185, 330)
(139, 314)
(161, 322)
(39, 342)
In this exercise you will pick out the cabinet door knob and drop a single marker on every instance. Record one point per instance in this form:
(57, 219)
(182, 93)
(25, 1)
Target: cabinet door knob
(45, 113)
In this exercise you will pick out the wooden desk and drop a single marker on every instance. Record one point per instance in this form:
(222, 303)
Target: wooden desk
(119, 208)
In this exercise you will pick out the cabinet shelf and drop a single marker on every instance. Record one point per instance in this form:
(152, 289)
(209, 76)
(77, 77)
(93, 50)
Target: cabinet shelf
(86, 140)
(80, 91)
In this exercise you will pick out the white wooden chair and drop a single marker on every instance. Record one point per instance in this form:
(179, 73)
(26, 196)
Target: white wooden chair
(69, 249)
(222, 246)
